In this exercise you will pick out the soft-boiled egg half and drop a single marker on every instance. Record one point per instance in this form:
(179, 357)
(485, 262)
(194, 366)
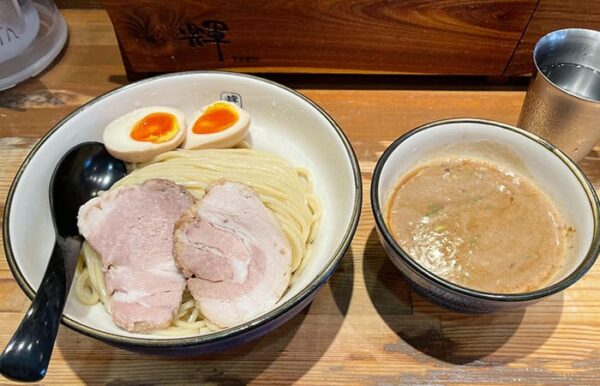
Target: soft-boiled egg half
(144, 133)
(218, 125)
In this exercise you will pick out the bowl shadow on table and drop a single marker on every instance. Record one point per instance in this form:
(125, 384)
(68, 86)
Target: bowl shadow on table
(591, 165)
(445, 335)
(282, 356)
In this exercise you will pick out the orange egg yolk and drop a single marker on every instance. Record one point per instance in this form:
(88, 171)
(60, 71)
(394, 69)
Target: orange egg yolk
(155, 128)
(217, 117)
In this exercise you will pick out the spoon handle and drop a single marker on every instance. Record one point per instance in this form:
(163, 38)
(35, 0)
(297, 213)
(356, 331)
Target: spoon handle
(26, 356)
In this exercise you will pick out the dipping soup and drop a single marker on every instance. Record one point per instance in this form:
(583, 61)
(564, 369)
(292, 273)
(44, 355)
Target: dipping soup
(479, 226)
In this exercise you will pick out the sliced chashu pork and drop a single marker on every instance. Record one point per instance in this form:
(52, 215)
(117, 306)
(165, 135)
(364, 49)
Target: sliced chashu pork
(132, 228)
(234, 254)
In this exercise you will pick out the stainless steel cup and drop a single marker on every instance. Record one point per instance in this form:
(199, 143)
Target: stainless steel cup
(562, 104)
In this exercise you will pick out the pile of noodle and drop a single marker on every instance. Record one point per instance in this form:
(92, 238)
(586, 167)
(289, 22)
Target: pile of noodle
(284, 189)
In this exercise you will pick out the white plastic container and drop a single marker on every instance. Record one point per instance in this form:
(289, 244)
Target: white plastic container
(32, 34)
(19, 25)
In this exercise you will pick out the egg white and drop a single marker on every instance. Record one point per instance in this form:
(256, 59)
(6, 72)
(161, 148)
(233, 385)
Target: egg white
(221, 140)
(118, 141)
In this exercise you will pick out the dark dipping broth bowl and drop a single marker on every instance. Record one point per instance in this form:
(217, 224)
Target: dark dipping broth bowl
(284, 122)
(552, 171)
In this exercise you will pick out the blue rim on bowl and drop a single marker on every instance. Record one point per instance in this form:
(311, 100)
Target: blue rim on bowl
(583, 267)
(223, 335)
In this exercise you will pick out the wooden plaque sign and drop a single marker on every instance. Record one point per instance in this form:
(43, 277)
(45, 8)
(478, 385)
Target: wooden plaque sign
(336, 36)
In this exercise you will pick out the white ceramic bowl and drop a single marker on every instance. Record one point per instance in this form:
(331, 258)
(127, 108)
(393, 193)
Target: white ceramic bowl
(283, 122)
(514, 149)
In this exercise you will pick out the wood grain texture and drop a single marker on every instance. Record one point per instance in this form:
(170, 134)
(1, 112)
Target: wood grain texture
(78, 4)
(365, 326)
(408, 36)
(551, 15)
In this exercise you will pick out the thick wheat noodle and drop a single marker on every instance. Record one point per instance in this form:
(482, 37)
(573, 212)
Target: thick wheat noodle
(285, 190)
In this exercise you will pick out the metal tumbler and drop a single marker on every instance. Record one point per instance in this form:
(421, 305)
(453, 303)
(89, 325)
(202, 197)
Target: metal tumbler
(562, 104)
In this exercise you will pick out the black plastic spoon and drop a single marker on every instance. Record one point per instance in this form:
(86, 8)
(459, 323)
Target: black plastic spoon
(80, 175)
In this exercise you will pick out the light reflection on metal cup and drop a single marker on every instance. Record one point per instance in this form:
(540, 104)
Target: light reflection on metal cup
(562, 104)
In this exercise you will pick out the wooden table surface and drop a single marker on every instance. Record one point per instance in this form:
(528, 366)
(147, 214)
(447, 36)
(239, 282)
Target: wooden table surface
(365, 326)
